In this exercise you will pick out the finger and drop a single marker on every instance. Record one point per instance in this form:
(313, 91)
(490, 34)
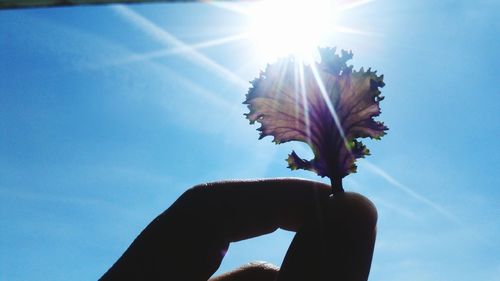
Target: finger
(189, 240)
(337, 247)
(245, 209)
(250, 272)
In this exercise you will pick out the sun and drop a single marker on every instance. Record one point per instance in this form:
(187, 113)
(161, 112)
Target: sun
(279, 27)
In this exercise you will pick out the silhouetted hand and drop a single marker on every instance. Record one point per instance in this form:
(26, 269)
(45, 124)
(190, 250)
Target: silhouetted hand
(334, 241)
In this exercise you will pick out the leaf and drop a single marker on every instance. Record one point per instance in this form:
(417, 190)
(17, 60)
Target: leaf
(327, 105)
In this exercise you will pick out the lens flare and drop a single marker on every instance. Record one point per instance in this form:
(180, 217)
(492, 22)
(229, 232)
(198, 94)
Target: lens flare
(279, 27)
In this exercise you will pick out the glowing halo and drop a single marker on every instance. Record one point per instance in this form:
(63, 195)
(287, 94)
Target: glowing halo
(280, 27)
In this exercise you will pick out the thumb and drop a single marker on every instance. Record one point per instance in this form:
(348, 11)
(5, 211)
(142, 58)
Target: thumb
(336, 245)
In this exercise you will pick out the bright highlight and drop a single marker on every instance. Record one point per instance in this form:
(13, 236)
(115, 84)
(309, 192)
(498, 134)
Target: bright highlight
(279, 28)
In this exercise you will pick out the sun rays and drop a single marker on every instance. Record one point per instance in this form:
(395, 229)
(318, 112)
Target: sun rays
(280, 27)
(275, 28)
(174, 50)
(296, 26)
(168, 39)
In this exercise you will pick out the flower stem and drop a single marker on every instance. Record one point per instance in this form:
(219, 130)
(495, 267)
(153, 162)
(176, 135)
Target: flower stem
(337, 187)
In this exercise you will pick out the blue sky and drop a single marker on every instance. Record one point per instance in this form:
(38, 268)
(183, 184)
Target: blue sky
(107, 116)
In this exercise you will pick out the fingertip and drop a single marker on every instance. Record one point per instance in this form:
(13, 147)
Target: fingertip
(337, 245)
(352, 207)
(255, 271)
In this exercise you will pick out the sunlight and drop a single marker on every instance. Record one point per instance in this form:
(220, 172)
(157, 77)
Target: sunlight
(331, 108)
(348, 5)
(173, 51)
(279, 28)
(305, 104)
(169, 40)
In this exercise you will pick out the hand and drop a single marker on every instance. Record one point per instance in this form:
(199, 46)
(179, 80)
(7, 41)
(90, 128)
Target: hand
(188, 241)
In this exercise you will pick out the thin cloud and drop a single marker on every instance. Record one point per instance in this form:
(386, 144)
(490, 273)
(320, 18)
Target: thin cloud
(378, 171)
(168, 39)
(398, 209)
(194, 88)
